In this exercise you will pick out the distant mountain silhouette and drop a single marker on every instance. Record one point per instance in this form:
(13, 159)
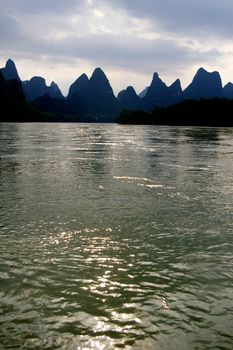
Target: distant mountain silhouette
(156, 94)
(10, 71)
(12, 88)
(174, 92)
(159, 94)
(128, 99)
(54, 91)
(143, 92)
(36, 87)
(78, 86)
(13, 107)
(99, 97)
(94, 98)
(55, 106)
(228, 91)
(204, 85)
(76, 96)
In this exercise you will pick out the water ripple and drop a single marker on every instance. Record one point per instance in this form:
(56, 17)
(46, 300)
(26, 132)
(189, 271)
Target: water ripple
(115, 237)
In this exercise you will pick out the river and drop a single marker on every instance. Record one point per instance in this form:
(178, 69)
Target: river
(116, 237)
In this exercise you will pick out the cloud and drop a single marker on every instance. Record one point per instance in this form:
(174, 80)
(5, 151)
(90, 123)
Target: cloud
(208, 17)
(133, 37)
(130, 52)
(9, 29)
(25, 7)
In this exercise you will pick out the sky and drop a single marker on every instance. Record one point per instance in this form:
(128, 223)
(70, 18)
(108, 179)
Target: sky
(128, 39)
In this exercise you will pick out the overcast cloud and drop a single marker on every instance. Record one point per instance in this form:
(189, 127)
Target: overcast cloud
(129, 39)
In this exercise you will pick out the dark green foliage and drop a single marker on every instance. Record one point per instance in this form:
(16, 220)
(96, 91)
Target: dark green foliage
(228, 90)
(135, 117)
(77, 105)
(13, 106)
(212, 112)
(12, 102)
(60, 108)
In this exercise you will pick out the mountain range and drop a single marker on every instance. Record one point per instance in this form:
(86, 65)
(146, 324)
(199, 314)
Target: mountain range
(92, 99)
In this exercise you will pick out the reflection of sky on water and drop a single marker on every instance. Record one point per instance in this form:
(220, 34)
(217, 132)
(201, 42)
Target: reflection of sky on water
(115, 236)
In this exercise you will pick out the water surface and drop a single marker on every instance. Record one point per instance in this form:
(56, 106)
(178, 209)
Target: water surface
(116, 237)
